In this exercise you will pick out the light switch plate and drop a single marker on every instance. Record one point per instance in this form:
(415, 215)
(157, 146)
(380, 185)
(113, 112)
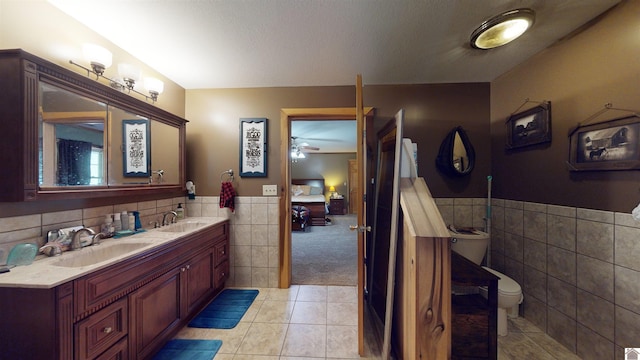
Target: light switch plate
(269, 190)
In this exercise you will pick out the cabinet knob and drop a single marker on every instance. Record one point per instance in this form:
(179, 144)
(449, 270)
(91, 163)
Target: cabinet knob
(182, 269)
(223, 252)
(188, 267)
(107, 330)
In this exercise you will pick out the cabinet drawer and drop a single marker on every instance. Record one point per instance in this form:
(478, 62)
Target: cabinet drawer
(221, 252)
(101, 330)
(221, 274)
(119, 351)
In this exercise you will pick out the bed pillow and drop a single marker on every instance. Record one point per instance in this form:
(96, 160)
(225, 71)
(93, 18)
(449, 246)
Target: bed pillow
(296, 190)
(315, 190)
(306, 189)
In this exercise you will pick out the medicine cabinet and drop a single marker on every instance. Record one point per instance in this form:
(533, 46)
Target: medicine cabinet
(67, 136)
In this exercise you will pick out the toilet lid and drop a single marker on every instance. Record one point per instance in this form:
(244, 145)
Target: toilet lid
(506, 285)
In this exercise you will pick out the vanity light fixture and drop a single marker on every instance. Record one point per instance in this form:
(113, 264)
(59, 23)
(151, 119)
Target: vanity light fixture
(101, 59)
(502, 29)
(129, 73)
(154, 86)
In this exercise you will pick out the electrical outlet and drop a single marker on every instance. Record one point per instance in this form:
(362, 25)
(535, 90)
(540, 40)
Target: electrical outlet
(269, 190)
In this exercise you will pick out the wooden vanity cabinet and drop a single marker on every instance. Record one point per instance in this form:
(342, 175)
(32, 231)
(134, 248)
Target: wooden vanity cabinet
(125, 311)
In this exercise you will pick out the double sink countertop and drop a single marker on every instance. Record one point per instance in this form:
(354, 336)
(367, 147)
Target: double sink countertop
(48, 272)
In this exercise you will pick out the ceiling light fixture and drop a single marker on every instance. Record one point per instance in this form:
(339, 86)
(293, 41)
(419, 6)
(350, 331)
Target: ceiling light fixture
(101, 59)
(502, 29)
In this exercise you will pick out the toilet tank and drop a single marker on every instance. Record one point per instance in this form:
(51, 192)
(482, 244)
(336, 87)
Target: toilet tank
(470, 244)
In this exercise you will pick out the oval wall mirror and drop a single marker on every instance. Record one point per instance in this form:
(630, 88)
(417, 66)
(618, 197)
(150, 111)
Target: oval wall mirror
(456, 156)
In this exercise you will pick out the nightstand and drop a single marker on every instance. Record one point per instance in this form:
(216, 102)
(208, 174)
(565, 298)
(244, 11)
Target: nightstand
(336, 206)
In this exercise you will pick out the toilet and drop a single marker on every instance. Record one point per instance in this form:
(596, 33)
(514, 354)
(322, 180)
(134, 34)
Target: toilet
(473, 245)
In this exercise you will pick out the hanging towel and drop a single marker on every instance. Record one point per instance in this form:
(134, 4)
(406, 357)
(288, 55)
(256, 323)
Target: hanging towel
(227, 196)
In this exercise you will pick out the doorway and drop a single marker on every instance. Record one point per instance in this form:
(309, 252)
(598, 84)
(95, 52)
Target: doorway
(323, 248)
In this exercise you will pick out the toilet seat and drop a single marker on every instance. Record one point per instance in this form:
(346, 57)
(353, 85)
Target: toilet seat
(506, 285)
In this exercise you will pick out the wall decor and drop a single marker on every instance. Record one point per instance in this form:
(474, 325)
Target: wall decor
(137, 148)
(529, 127)
(608, 145)
(253, 147)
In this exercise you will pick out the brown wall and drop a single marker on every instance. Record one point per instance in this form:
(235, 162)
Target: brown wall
(431, 111)
(598, 65)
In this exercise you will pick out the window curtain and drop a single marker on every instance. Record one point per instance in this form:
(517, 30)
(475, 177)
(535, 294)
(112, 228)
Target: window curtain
(74, 162)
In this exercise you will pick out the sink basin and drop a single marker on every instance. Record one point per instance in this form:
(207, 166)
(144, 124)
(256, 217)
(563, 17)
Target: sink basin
(183, 226)
(96, 254)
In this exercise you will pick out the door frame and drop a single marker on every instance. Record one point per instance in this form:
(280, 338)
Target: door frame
(286, 116)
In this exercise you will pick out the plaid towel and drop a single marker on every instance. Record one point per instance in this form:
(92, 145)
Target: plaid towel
(227, 196)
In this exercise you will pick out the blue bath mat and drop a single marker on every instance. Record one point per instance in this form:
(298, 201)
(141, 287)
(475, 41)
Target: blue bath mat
(187, 349)
(226, 310)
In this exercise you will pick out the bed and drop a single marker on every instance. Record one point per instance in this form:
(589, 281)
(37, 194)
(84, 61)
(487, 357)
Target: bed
(309, 193)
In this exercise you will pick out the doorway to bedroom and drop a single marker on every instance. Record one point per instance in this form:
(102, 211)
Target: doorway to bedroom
(323, 250)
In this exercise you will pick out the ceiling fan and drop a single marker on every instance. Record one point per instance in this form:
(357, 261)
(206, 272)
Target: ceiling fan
(297, 150)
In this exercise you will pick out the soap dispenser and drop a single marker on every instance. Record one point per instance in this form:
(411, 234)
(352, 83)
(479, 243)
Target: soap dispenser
(180, 211)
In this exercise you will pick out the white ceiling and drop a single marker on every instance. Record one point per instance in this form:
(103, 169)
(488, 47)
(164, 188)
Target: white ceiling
(275, 43)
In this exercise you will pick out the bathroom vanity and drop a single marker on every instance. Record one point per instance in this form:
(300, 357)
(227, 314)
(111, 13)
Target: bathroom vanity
(125, 307)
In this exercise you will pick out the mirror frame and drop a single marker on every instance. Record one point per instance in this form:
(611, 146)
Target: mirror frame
(22, 74)
(444, 161)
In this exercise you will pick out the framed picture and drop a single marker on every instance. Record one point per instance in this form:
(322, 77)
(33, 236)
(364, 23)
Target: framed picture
(608, 145)
(137, 148)
(253, 147)
(529, 127)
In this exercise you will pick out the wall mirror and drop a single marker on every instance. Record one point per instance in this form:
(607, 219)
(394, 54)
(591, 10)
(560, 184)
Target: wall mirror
(67, 136)
(457, 156)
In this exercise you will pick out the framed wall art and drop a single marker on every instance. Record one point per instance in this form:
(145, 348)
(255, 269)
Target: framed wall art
(253, 147)
(137, 148)
(529, 127)
(608, 145)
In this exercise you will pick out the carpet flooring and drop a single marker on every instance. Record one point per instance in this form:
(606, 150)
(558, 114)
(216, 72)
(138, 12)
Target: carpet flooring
(325, 255)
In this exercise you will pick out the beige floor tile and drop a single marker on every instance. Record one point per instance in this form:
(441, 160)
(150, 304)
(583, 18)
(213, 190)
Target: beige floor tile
(312, 293)
(275, 312)
(220, 356)
(517, 346)
(307, 312)
(302, 358)
(305, 340)
(263, 339)
(231, 338)
(342, 314)
(552, 346)
(282, 294)
(254, 357)
(342, 342)
(342, 294)
(252, 311)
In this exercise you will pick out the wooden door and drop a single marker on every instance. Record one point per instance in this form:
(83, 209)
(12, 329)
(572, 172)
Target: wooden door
(361, 217)
(354, 197)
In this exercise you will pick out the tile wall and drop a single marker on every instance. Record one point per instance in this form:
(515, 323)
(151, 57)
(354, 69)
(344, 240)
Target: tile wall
(579, 269)
(253, 233)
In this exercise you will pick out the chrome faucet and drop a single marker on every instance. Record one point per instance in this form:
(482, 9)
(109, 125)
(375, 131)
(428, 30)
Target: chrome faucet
(76, 244)
(164, 217)
(95, 240)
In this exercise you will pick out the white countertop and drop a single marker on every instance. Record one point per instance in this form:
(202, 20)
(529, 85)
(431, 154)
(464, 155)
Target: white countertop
(44, 273)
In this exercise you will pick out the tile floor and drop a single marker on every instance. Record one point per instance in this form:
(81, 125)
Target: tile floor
(309, 322)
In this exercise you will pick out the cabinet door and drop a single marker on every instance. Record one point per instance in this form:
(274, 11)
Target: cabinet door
(200, 282)
(155, 312)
